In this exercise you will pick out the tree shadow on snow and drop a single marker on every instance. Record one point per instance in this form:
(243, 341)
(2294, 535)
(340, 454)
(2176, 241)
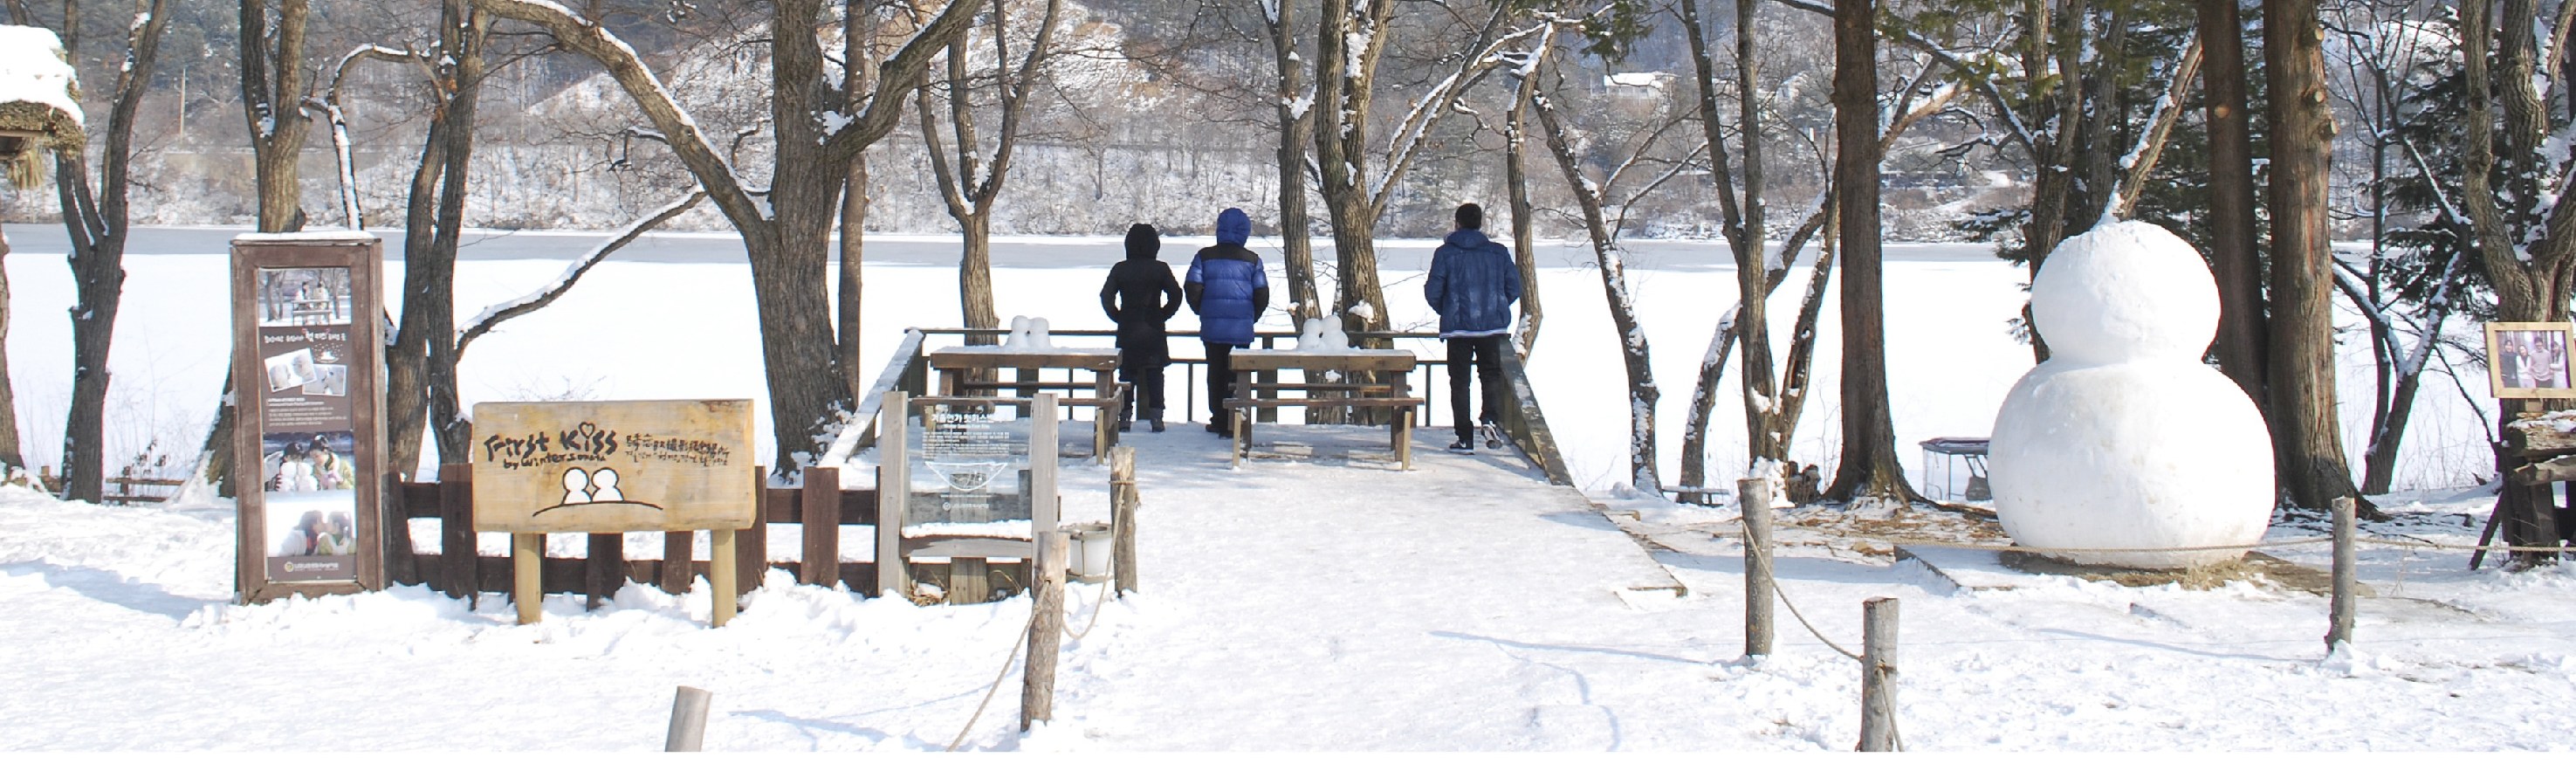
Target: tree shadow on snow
(114, 589)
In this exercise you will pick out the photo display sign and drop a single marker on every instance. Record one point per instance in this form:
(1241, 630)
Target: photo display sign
(309, 380)
(977, 462)
(2529, 359)
(613, 466)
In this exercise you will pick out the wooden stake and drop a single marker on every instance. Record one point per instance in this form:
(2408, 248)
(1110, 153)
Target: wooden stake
(2339, 628)
(1046, 630)
(1122, 517)
(688, 720)
(1754, 498)
(527, 589)
(894, 486)
(721, 573)
(820, 516)
(1878, 676)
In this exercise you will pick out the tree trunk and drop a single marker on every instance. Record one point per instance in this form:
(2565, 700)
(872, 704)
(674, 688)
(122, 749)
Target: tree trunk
(10, 455)
(859, 28)
(1868, 468)
(1524, 218)
(1296, 108)
(975, 271)
(1344, 94)
(2241, 331)
(2306, 433)
(1633, 351)
(272, 84)
(420, 390)
(97, 224)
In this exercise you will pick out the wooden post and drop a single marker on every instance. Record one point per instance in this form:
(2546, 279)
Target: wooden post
(1046, 631)
(1878, 676)
(1753, 496)
(2339, 627)
(679, 550)
(688, 721)
(456, 532)
(1122, 517)
(894, 486)
(750, 560)
(527, 575)
(723, 565)
(820, 513)
(1043, 504)
(605, 569)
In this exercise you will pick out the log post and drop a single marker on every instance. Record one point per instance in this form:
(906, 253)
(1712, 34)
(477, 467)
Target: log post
(2339, 628)
(1753, 497)
(1878, 676)
(527, 575)
(605, 569)
(456, 532)
(820, 513)
(1046, 629)
(1122, 517)
(749, 563)
(688, 721)
(679, 552)
(723, 566)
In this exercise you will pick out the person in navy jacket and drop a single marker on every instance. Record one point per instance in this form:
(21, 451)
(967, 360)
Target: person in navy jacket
(1141, 295)
(1472, 285)
(1227, 288)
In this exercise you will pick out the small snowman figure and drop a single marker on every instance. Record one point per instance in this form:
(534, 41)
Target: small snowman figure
(1018, 339)
(2124, 439)
(1311, 335)
(1038, 339)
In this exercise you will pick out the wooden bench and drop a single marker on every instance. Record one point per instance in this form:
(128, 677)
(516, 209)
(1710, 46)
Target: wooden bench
(1399, 435)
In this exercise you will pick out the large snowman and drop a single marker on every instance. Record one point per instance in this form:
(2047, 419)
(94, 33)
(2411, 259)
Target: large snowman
(2124, 439)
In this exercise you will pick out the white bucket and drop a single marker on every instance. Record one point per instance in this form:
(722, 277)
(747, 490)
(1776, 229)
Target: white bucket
(1090, 548)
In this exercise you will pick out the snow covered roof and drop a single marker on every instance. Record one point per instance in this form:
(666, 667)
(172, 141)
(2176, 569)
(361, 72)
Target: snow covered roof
(39, 93)
(331, 234)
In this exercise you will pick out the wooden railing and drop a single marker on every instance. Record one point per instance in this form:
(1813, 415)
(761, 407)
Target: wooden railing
(460, 569)
(130, 486)
(1521, 421)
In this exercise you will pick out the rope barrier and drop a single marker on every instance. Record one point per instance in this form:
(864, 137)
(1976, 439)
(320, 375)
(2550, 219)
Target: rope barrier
(1096, 606)
(1013, 659)
(1783, 595)
(2277, 544)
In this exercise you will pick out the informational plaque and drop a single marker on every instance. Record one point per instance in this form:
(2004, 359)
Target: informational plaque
(976, 460)
(613, 466)
(308, 382)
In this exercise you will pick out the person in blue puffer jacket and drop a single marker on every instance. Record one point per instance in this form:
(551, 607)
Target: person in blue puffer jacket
(1472, 286)
(1227, 288)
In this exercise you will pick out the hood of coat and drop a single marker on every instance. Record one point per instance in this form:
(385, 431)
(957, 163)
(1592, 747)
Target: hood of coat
(1143, 242)
(1233, 227)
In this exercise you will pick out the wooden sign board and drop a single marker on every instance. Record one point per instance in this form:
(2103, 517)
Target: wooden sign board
(613, 466)
(309, 379)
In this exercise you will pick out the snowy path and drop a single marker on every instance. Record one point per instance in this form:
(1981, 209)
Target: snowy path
(1344, 605)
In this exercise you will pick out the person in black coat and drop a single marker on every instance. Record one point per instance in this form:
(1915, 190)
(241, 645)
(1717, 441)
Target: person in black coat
(1141, 295)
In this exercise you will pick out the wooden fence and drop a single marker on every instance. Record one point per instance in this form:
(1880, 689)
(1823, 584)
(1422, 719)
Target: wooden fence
(459, 568)
(130, 486)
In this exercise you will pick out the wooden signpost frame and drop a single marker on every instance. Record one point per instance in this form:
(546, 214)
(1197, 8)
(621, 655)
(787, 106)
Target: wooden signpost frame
(363, 255)
(894, 471)
(2525, 510)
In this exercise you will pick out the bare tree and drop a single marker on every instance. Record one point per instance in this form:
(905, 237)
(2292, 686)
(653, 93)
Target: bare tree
(95, 218)
(969, 182)
(2515, 176)
(1603, 203)
(1294, 99)
(788, 237)
(862, 21)
(2306, 435)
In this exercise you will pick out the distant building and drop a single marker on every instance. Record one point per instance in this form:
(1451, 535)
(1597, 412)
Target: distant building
(1637, 84)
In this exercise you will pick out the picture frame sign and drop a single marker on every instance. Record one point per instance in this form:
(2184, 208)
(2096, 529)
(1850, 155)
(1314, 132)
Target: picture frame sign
(2528, 359)
(309, 376)
(613, 466)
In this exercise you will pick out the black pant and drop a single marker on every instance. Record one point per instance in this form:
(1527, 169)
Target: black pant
(1220, 382)
(1486, 355)
(1140, 368)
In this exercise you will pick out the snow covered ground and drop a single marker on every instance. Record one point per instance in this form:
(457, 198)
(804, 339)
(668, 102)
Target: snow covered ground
(1463, 606)
(1460, 607)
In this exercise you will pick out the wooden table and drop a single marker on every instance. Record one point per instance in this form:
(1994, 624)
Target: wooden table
(958, 369)
(1396, 393)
